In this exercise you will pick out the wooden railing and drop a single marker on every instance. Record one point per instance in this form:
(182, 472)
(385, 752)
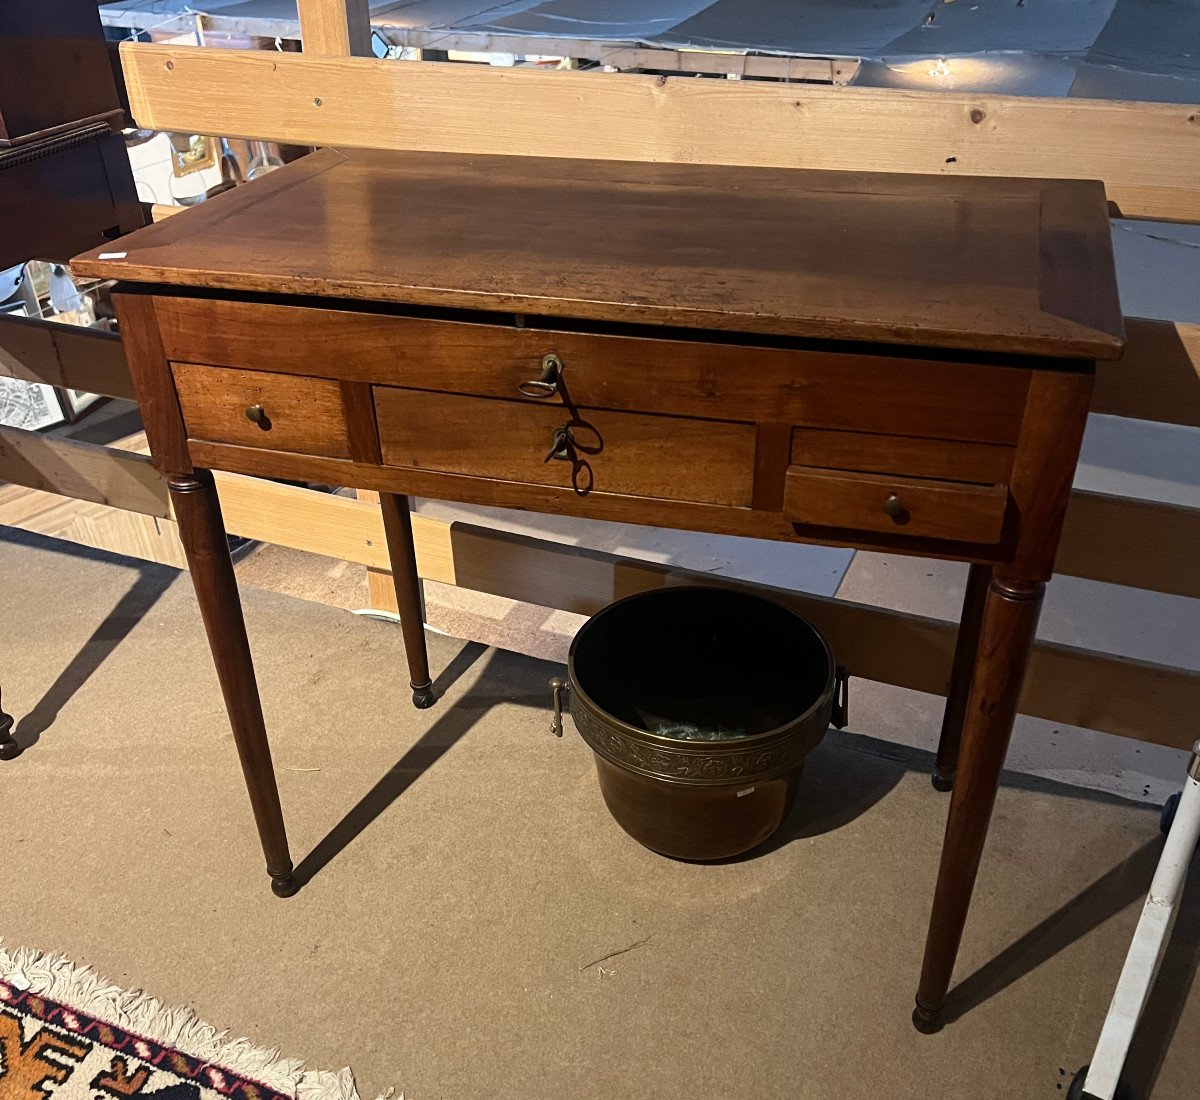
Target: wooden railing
(1147, 154)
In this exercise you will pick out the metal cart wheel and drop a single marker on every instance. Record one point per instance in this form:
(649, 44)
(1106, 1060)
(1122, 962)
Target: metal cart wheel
(1075, 1092)
(1168, 813)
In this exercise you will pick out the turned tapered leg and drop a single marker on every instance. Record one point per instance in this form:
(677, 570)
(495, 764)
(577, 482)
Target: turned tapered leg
(397, 526)
(204, 541)
(8, 746)
(967, 646)
(1006, 636)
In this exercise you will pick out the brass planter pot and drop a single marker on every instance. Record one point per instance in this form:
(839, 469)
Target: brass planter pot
(652, 677)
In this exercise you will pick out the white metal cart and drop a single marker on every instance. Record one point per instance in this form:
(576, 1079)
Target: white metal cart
(1181, 822)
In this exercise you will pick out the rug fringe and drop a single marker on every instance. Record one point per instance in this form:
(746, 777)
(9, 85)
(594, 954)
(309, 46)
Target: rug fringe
(81, 988)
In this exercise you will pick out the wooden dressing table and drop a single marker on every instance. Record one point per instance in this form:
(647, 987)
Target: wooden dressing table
(882, 361)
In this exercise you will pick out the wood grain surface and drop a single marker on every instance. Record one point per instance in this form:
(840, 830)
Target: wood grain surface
(897, 454)
(1002, 265)
(1145, 153)
(152, 381)
(926, 509)
(616, 453)
(840, 386)
(299, 414)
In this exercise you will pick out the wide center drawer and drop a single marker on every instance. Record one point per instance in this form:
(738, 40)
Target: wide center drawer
(670, 457)
(809, 385)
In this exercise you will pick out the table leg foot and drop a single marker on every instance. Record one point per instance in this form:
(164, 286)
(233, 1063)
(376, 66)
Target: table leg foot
(942, 782)
(8, 746)
(926, 1021)
(284, 886)
(397, 527)
(423, 695)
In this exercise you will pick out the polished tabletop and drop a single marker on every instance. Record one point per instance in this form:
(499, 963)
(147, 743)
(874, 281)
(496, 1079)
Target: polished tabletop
(1018, 266)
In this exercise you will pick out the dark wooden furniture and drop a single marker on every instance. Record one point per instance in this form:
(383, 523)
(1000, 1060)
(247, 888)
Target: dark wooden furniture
(65, 180)
(55, 67)
(901, 362)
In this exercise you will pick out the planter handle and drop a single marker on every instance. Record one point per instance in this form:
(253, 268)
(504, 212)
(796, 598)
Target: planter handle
(841, 698)
(558, 687)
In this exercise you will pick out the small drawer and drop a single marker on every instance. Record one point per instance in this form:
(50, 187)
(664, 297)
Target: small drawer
(630, 454)
(902, 506)
(252, 408)
(943, 459)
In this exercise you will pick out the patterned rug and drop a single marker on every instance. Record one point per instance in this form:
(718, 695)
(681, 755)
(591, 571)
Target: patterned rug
(67, 1034)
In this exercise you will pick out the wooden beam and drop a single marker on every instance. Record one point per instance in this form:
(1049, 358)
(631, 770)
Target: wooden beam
(130, 534)
(1136, 543)
(84, 471)
(381, 588)
(68, 356)
(335, 28)
(1069, 685)
(335, 526)
(1147, 153)
(1141, 544)
(624, 56)
(1159, 376)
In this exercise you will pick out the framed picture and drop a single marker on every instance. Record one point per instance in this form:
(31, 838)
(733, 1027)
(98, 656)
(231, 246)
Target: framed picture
(192, 153)
(77, 402)
(29, 405)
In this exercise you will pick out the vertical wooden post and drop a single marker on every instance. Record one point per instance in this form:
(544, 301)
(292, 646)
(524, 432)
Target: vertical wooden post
(336, 28)
(381, 589)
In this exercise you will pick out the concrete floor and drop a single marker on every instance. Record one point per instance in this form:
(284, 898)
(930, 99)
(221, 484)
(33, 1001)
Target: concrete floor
(463, 873)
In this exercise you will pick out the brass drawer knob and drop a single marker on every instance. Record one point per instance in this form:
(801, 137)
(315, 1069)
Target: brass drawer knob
(256, 414)
(546, 384)
(894, 507)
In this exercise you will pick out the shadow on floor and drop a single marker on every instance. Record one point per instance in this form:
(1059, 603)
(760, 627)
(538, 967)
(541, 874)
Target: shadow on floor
(1124, 884)
(1165, 1006)
(140, 597)
(442, 736)
(831, 794)
(849, 773)
(152, 581)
